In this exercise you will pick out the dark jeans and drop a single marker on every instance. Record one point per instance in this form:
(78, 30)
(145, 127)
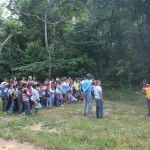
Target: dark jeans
(5, 105)
(148, 105)
(27, 107)
(20, 106)
(99, 108)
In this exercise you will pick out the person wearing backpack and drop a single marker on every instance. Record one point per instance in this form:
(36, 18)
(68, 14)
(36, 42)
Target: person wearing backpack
(5, 97)
(146, 91)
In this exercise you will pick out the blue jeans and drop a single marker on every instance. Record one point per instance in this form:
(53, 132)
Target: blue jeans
(27, 107)
(148, 105)
(10, 111)
(99, 108)
(48, 102)
(59, 101)
(87, 103)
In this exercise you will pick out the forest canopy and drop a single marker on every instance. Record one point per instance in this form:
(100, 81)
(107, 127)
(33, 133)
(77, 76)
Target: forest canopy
(50, 38)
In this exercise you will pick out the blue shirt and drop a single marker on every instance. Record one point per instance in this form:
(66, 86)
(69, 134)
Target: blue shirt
(86, 87)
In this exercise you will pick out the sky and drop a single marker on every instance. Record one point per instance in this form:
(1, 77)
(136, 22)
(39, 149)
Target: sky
(3, 1)
(6, 13)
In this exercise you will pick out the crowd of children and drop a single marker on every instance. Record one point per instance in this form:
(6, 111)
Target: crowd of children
(25, 95)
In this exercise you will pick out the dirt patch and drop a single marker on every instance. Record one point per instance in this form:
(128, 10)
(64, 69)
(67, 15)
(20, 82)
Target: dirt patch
(14, 145)
(41, 127)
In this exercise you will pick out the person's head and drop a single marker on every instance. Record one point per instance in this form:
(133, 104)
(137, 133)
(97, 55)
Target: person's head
(145, 81)
(23, 78)
(48, 87)
(9, 86)
(70, 92)
(34, 78)
(5, 84)
(77, 80)
(5, 80)
(24, 85)
(98, 82)
(14, 78)
(59, 82)
(34, 86)
(30, 78)
(19, 88)
(89, 76)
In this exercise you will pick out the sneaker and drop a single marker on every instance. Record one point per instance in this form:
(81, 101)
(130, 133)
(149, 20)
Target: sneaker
(62, 105)
(23, 113)
(102, 118)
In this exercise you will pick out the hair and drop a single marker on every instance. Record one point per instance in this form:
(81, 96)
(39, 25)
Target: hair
(146, 81)
(24, 85)
(29, 78)
(98, 81)
(34, 86)
(19, 87)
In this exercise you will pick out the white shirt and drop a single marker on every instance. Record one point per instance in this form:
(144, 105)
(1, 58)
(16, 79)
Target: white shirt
(35, 95)
(97, 89)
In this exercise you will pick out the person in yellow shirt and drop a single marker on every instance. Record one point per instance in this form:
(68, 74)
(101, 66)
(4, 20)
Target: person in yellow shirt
(76, 89)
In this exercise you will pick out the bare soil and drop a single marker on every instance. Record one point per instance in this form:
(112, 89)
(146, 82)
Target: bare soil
(14, 145)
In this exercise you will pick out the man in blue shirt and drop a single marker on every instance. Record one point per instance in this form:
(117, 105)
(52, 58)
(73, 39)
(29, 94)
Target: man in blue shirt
(86, 87)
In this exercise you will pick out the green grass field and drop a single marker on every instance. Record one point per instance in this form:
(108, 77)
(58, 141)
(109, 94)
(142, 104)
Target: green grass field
(126, 126)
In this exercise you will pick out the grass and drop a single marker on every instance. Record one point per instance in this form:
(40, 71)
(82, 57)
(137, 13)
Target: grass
(126, 127)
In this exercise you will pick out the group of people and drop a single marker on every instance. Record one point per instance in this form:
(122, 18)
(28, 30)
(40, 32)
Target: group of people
(25, 96)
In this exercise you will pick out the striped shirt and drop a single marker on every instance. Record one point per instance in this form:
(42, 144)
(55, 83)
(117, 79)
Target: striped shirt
(25, 96)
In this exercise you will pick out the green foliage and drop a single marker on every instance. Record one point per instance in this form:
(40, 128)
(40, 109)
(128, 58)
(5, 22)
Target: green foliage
(109, 38)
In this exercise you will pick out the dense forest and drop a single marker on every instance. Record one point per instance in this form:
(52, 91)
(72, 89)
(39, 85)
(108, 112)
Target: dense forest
(48, 38)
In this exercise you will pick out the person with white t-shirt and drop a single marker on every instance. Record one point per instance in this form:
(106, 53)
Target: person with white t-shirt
(99, 100)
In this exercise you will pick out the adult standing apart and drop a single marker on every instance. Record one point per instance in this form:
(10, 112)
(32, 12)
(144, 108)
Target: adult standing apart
(86, 87)
(99, 100)
(146, 91)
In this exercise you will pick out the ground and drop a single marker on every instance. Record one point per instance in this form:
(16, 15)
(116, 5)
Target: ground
(126, 127)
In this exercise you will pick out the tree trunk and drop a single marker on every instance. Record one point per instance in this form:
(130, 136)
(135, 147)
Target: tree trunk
(47, 46)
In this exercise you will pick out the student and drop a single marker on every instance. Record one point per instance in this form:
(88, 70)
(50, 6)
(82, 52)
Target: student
(11, 103)
(99, 100)
(59, 92)
(35, 98)
(25, 98)
(23, 81)
(5, 98)
(71, 98)
(41, 90)
(52, 95)
(86, 87)
(47, 96)
(19, 99)
(146, 91)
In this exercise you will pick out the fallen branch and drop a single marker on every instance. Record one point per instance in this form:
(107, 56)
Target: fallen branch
(6, 40)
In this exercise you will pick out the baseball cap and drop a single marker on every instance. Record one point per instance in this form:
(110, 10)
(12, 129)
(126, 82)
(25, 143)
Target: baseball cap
(89, 75)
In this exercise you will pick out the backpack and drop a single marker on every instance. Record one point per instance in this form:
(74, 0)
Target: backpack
(5, 94)
(147, 91)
